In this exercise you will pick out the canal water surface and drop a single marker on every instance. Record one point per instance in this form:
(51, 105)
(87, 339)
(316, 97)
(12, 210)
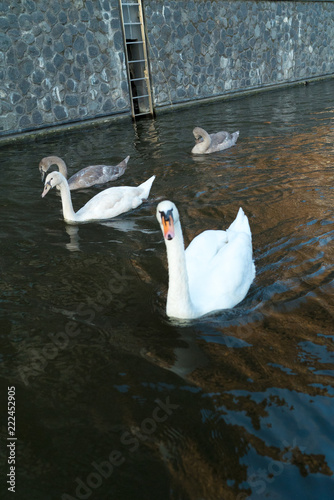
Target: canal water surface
(113, 400)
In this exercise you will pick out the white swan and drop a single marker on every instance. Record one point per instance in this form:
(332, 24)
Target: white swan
(213, 273)
(86, 177)
(210, 143)
(105, 205)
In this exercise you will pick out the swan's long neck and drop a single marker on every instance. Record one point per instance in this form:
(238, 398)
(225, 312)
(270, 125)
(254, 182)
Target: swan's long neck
(66, 201)
(55, 160)
(179, 303)
(204, 145)
(62, 167)
(206, 140)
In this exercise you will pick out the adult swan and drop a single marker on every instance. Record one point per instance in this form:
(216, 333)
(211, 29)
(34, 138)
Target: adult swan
(210, 143)
(213, 273)
(105, 205)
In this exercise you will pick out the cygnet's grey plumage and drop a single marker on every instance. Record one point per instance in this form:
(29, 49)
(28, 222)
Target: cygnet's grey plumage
(86, 177)
(211, 143)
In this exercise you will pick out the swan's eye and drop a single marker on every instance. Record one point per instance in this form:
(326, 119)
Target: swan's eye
(167, 215)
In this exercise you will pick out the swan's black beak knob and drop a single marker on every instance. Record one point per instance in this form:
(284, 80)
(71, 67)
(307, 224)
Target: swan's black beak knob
(168, 224)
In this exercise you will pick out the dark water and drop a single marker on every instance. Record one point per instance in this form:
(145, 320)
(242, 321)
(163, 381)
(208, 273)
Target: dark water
(114, 400)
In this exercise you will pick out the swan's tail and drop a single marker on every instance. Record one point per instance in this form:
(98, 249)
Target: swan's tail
(240, 224)
(235, 135)
(124, 163)
(146, 187)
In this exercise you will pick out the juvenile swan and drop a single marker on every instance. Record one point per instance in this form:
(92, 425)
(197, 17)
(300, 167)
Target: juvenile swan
(86, 177)
(213, 273)
(210, 143)
(105, 205)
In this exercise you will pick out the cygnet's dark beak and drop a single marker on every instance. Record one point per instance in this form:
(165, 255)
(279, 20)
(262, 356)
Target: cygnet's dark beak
(43, 174)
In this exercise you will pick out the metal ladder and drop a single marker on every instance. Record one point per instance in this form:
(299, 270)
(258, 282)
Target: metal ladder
(136, 57)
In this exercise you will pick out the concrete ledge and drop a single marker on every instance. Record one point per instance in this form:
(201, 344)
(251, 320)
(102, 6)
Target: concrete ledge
(239, 93)
(57, 129)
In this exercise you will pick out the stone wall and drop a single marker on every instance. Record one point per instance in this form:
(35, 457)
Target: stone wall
(64, 62)
(60, 62)
(201, 48)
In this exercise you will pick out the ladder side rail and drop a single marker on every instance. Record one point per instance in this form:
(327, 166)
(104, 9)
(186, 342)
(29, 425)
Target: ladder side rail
(141, 17)
(127, 60)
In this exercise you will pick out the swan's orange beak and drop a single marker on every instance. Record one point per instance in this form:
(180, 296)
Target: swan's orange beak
(168, 225)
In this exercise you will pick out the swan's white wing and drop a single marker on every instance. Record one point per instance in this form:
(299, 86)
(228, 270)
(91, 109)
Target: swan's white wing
(220, 269)
(200, 256)
(204, 246)
(110, 203)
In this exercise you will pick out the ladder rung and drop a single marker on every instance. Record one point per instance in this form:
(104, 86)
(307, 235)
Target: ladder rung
(134, 43)
(137, 79)
(130, 3)
(137, 61)
(141, 114)
(140, 96)
(132, 24)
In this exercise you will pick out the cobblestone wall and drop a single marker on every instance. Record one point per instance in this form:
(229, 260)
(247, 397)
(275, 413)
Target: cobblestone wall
(60, 62)
(201, 49)
(64, 61)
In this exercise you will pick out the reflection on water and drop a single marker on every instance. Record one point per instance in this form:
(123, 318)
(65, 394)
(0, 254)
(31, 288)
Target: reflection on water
(114, 400)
